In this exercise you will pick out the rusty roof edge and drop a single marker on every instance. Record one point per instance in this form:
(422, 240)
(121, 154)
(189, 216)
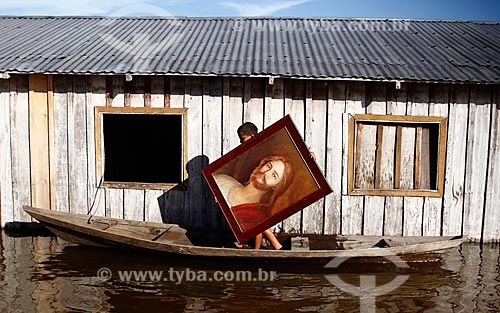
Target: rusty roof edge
(6, 75)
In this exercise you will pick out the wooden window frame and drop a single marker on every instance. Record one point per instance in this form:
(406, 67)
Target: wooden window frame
(358, 119)
(99, 142)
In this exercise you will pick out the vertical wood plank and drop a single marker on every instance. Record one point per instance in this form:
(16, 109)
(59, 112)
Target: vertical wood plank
(438, 106)
(52, 143)
(357, 150)
(418, 105)
(352, 206)
(413, 215)
(195, 202)
(274, 102)
(167, 90)
(491, 230)
(39, 141)
(315, 134)
(151, 206)
(232, 113)
(137, 96)
(134, 204)
(61, 84)
(366, 143)
(387, 161)
(212, 141)
(373, 215)
(6, 199)
(20, 145)
(178, 91)
(172, 202)
(455, 161)
(477, 160)
(274, 109)
(77, 146)
(407, 157)
(396, 105)
(147, 91)
(96, 96)
(334, 170)
(158, 92)
(117, 91)
(295, 106)
(253, 104)
(114, 206)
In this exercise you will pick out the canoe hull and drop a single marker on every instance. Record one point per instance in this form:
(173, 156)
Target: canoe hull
(172, 239)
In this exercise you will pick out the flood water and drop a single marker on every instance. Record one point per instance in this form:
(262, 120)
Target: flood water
(45, 274)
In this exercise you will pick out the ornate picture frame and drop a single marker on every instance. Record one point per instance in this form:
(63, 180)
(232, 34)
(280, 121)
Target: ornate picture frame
(300, 184)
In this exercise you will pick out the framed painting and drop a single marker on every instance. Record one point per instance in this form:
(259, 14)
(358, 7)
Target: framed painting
(265, 180)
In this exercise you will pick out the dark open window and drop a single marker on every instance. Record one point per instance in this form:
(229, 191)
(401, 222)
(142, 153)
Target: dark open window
(141, 146)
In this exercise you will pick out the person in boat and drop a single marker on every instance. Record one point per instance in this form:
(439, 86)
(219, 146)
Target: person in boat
(247, 131)
(252, 202)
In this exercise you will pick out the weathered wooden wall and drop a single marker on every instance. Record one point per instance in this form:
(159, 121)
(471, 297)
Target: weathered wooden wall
(47, 148)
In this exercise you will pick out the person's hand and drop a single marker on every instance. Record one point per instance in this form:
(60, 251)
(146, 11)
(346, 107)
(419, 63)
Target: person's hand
(311, 154)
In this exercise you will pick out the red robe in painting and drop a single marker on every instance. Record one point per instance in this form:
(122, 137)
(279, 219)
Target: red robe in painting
(248, 215)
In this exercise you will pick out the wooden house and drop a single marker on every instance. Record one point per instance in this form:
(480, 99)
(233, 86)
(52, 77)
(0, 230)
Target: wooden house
(118, 116)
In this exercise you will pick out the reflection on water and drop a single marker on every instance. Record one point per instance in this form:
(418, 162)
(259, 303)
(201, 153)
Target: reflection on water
(44, 274)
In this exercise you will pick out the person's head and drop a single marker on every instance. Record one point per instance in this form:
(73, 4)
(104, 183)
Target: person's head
(246, 131)
(274, 174)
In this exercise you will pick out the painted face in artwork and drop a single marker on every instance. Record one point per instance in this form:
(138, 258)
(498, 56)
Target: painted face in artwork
(268, 175)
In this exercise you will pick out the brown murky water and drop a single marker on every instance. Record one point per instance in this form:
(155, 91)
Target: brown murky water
(44, 274)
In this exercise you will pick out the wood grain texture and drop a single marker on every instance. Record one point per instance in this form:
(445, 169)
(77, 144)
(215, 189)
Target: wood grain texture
(77, 146)
(212, 142)
(133, 204)
(152, 210)
(455, 160)
(478, 140)
(39, 141)
(491, 230)
(315, 134)
(194, 201)
(253, 101)
(219, 107)
(52, 143)
(114, 206)
(438, 106)
(6, 201)
(373, 214)
(61, 84)
(418, 105)
(96, 96)
(295, 106)
(352, 206)
(158, 92)
(274, 102)
(396, 105)
(20, 140)
(333, 168)
(137, 96)
(232, 113)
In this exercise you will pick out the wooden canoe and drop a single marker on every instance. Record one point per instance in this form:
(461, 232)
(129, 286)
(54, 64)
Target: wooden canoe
(175, 240)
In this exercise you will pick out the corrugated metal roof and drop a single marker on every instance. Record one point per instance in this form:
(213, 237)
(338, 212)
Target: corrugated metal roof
(390, 49)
